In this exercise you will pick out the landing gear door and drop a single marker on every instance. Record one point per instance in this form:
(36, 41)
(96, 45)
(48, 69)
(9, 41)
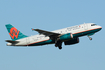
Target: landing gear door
(85, 26)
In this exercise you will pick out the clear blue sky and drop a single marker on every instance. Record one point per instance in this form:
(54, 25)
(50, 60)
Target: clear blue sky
(52, 15)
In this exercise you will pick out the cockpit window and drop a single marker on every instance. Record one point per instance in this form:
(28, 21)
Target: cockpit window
(93, 24)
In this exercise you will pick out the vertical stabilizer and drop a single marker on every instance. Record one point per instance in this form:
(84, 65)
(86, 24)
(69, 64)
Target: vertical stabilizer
(14, 33)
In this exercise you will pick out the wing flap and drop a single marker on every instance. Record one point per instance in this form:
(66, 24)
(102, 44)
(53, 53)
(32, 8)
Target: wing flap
(46, 33)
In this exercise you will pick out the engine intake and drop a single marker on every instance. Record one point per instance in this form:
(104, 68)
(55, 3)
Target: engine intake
(66, 36)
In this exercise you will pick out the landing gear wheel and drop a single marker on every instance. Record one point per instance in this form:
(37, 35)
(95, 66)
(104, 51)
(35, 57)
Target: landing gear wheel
(58, 43)
(90, 38)
(55, 45)
(60, 48)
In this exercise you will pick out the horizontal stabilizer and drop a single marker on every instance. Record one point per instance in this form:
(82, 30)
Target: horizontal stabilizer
(10, 41)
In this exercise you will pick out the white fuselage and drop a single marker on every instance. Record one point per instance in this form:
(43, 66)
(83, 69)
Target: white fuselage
(40, 38)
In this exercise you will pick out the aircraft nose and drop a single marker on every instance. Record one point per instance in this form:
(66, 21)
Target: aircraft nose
(100, 28)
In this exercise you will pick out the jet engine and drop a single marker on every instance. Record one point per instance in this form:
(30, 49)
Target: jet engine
(66, 36)
(72, 41)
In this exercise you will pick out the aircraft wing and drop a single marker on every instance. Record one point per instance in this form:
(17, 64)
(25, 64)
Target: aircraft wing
(46, 33)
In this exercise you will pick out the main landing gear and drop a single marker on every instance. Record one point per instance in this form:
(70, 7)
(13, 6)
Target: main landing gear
(89, 37)
(58, 43)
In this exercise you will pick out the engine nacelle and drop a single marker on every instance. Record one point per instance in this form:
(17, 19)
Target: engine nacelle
(72, 41)
(66, 36)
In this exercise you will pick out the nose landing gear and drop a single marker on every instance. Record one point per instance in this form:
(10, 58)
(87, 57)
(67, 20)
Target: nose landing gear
(89, 37)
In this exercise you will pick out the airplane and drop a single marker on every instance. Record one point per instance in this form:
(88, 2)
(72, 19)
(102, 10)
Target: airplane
(69, 35)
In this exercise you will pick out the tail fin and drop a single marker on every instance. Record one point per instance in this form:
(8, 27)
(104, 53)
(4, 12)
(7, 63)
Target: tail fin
(14, 33)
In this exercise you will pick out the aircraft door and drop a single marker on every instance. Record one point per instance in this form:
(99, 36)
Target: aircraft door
(85, 26)
(28, 40)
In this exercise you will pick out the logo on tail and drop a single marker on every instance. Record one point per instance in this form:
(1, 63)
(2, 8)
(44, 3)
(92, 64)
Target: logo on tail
(14, 33)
